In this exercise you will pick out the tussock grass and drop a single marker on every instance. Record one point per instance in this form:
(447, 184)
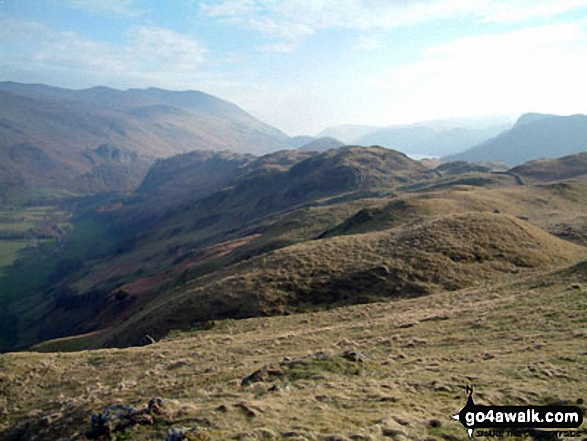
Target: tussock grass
(450, 252)
(517, 342)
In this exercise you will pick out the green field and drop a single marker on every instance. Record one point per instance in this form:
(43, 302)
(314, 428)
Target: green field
(29, 218)
(27, 227)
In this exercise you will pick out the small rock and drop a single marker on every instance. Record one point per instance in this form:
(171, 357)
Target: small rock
(357, 356)
(175, 435)
(392, 433)
(263, 374)
(145, 420)
(222, 408)
(156, 406)
(248, 410)
(178, 364)
(322, 355)
(335, 438)
(352, 356)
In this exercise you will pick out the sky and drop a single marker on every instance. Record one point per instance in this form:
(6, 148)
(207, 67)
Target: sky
(304, 65)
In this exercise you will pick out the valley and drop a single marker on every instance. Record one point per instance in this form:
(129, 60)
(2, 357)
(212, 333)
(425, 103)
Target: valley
(262, 287)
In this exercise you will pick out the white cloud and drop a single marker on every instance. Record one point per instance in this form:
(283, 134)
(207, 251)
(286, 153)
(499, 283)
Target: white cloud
(289, 30)
(365, 43)
(538, 69)
(230, 8)
(380, 14)
(513, 12)
(149, 53)
(282, 48)
(162, 49)
(112, 7)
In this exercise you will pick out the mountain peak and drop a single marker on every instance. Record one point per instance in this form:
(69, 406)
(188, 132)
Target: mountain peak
(531, 117)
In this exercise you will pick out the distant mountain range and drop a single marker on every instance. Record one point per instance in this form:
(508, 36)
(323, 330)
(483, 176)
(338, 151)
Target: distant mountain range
(204, 227)
(534, 136)
(429, 138)
(105, 139)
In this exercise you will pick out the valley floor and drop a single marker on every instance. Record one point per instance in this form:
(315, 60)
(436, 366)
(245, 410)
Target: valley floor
(520, 341)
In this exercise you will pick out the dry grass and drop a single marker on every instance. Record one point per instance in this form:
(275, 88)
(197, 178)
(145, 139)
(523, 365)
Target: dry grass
(517, 343)
(450, 252)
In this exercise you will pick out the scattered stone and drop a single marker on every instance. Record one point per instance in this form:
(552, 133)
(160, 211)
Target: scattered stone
(175, 435)
(392, 433)
(335, 438)
(117, 418)
(266, 373)
(222, 408)
(156, 406)
(436, 317)
(275, 388)
(401, 421)
(352, 356)
(178, 364)
(442, 388)
(322, 355)
(249, 411)
(356, 356)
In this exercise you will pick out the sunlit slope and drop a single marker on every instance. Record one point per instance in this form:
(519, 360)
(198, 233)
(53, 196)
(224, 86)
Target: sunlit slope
(516, 343)
(104, 139)
(450, 252)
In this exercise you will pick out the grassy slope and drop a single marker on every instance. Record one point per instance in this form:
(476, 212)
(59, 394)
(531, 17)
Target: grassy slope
(559, 208)
(158, 254)
(416, 259)
(517, 342)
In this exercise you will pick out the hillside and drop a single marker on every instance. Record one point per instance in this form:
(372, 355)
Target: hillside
(179, 221)
(556, 169)
(346, 294)
(533, 137)
(86, 140)
(324, 143)
(414, 260)
(197, 214)
(428, 138)
(416, 356)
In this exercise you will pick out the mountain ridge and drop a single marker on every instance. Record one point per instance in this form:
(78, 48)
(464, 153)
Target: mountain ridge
(67, 129)
(533, 137)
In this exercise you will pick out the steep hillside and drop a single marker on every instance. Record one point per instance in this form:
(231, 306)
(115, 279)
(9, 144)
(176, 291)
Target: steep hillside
(533, 137)
(323, 144)
(546, 170)
(185, 221)
(390, 370)
(199, 214)
(347, 133)
(85, 140)
(446, 253)
(428, 138)
(425, 140)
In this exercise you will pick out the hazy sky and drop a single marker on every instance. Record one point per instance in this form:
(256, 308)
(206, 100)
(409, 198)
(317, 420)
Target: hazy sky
(303, 65)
